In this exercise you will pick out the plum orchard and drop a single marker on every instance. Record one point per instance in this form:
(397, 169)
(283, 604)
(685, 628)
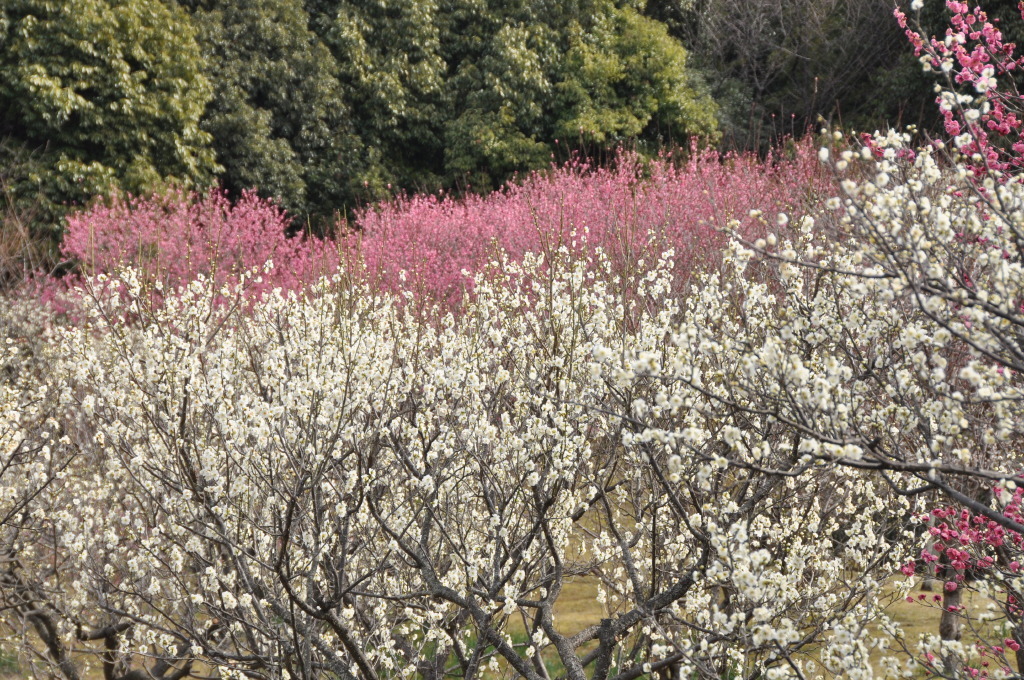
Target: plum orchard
(320, 484)
(327, 487)
(324, 486)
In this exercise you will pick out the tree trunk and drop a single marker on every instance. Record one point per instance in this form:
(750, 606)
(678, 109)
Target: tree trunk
(951, 623)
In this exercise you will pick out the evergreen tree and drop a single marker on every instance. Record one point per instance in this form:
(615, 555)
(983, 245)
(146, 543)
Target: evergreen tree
(456, 92)
(279, 118)
(102, 95)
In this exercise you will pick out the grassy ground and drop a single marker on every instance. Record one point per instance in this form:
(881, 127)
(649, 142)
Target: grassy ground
(578, 608)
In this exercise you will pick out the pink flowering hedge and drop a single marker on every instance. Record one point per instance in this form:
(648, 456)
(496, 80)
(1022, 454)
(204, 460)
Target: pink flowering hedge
(632, 210)
(173, 239)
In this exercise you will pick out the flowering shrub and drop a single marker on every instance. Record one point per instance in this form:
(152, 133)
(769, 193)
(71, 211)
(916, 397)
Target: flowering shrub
(971, 551)
(325, 486)
(171, 240)
(433, 245)
(634, 211)
(985, 124)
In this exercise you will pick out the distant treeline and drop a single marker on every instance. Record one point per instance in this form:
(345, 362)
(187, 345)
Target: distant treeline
(325, 104)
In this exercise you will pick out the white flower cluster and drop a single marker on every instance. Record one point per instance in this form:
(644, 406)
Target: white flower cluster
(392, 493)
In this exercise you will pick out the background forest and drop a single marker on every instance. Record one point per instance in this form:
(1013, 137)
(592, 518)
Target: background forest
(325, 105)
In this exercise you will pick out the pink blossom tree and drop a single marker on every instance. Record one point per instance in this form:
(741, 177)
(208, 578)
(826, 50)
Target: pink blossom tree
(633, 210)
(985, 120)
(172, 239)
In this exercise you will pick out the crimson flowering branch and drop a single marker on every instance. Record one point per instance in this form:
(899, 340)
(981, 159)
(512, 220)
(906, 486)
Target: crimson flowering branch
(986, 125)
(970, 551)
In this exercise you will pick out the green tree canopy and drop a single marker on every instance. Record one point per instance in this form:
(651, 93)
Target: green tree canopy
(279, 117)
(391, 62)
(625, 77)
(451, 92)
(107, 94)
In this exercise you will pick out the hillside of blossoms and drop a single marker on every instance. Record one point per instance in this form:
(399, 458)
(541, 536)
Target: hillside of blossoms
(757, 406)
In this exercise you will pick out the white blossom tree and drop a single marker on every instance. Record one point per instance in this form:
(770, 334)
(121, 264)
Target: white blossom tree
(326, 486)
(883, 334)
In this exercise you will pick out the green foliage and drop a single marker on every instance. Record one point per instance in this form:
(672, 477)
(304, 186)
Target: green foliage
(389, 57)
(106, 93)
(456, 92)
(484, 146)
(322, 104)
(626, 78)
(279, 118)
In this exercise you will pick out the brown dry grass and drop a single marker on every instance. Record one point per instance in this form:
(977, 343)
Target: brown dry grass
(578, 608)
